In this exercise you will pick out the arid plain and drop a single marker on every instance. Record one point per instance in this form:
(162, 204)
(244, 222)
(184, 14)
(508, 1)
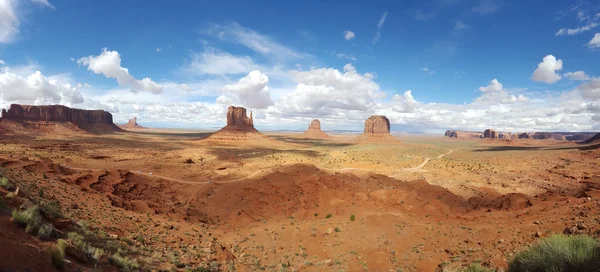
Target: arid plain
(288, 202)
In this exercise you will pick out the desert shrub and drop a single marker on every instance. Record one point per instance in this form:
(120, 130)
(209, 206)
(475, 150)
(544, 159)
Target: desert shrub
(123, 263)
(57, 254)
(79, 242)
(352, 217)
(476, 267)
(10, 195)
(27, 217)
(52, 209)
(559, 253)
(6, 184)
(328, 215)
(45, 232)
(76, 239)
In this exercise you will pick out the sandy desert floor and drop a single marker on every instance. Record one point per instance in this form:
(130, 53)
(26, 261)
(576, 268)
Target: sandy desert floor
(174, 200)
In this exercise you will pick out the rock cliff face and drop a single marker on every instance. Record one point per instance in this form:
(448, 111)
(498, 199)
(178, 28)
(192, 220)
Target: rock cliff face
(524, 135)
(236, 116)
(377, 124)
(56, 113)
(490, 133)
(59, 119)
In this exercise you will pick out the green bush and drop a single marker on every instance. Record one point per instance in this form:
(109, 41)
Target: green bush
(559, 253)
(476, 267)
(27, 217)
(46, 231)
(6, 184)
(123, 263)
(352, 217)
(52, 209)
(328, 215)
(79, 242)
(57, 255)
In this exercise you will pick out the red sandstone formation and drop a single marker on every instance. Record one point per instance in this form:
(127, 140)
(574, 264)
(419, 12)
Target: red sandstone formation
(132, 124)
(47, 118)
(239, 128)
(236, 116)
(314, 130)
(490, 133)
(377, 130)
(377, 124)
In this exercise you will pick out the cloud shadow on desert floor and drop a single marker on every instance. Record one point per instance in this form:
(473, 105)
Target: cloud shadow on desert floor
(534, 148)
(224, 153)
(179, 135)
(308, 141)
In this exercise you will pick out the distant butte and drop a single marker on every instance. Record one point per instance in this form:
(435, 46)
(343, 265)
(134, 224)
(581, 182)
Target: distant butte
(314, 130)
(56, 119)
(377, 130)
(132, 124)
(239, 128)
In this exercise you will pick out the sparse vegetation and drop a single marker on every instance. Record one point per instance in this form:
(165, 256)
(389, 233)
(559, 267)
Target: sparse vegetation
(52, 209)
(6, 184)
(57, 254)
(352, 217)
(27, 217)
(328, 216)
(559, 253)
(123, 263)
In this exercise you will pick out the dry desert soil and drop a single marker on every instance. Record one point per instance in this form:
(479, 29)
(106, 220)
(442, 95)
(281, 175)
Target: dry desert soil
(173, 200)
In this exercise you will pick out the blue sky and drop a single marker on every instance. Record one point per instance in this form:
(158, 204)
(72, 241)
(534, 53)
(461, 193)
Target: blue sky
(427, 65)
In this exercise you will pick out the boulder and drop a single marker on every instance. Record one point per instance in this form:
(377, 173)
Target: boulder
(236, 116)
(377, 124)
(490, 133)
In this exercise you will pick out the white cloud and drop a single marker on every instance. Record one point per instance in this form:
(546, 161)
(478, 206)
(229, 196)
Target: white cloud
(214, 62)
(344, 56)
(348, 35)
(2, 62)
(379, 27)
(425, 69)
(258, 42)
(591, 90)
(494, 86)
(595, 41)
(9, 22)
(158, 49)
(575, 31)
(547, 70)
(108, 63)
(485, 7)
(578, 75)
(37, 89)
(458, 26)
(327, 92)
(251, 91)
(44, 3)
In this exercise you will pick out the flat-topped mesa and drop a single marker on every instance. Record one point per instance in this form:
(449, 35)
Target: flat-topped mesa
(314, 130)
(56, 113)
(490, 133)
(377, 124)
(236, 116)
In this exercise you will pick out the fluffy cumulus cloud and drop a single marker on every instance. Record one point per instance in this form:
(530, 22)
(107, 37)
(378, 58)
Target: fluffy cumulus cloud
(595, 41)
(38, 89)
(329, 91)
(494, 92)
(214, 62)
(348, 35)
(250, 91)
(578, 75)
(9, 22)
(547, 70)
(108, 63)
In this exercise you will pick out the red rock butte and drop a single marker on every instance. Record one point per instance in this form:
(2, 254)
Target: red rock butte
(314, 130)
(490, 133)
(132, 124)
(377, 129)
(239, 128)
(47, 117)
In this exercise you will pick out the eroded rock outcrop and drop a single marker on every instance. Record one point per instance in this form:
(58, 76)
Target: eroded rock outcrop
(377, 124)
(377, 130)
(490, 133)
(236, 116)
(460, 134)
(47, 118)
(314, 130)
(132, 124)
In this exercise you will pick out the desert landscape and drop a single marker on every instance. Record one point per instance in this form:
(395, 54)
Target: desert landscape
(131, 198)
